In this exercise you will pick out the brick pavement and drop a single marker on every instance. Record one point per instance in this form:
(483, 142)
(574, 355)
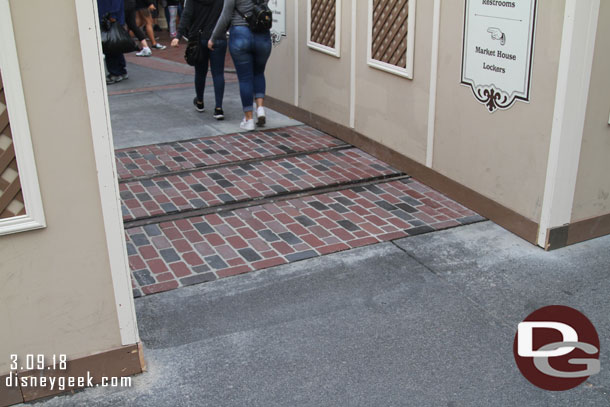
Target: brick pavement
(183, 155)
(194, 250)
(300, 191)
(237, 183)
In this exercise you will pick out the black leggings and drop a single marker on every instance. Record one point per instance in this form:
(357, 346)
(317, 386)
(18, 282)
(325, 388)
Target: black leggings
(130, 19)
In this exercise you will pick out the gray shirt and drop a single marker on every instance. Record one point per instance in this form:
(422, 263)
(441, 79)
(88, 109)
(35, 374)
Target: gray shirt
(230, 17)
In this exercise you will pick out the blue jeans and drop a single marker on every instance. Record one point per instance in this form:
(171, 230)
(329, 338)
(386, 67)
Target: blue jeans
(216, 60)
(250, 52)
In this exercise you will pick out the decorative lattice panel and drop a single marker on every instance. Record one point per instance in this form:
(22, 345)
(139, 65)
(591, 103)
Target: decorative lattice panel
(390, 28)
(323, 15)
(11, 198)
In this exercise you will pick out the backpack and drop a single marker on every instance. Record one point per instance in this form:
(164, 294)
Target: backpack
(260, 18)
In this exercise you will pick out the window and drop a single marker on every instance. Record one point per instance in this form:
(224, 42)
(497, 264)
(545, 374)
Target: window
(324, 26)
(391, 36)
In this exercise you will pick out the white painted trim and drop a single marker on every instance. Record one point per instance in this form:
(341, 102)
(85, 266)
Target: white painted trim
(404, 72)
(436, 32)
(574, 78)
(20, 129)
(352, 70)
(297, 50)
(99, 113)
(336, 50)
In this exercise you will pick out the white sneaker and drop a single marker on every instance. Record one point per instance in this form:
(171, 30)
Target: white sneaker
(159, 46)
(247, 125)
(260, 114)
(146, 52)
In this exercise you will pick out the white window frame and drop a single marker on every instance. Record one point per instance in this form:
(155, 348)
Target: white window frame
(20, 129)
(404, 72)
(336, 51)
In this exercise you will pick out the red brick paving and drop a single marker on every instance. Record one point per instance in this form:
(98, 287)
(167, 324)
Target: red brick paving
(244, 240)
(184, 155)
(201, 189)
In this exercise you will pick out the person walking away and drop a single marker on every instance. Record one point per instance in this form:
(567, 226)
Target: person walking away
(199, 18)
(250, 52)
(144, 9)
(115, 63)
(130, 19)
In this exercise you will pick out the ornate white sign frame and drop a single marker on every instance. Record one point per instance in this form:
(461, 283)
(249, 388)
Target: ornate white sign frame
(498, 50)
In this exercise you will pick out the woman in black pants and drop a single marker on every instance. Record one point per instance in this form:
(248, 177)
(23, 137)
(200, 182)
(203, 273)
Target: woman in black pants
(130, 20)
(199, 18)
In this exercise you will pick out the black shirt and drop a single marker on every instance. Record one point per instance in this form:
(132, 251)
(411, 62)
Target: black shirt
(199, 15)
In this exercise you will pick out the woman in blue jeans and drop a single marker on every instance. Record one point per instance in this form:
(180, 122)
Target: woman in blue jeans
(199, 17)
(250, 52)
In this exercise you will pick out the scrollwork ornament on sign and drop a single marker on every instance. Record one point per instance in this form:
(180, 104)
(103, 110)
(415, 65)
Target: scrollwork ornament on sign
(492, 98)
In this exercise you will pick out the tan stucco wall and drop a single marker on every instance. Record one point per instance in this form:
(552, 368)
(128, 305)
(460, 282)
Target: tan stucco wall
(391, 109)
(324, 80)
(592, 197)
(501, 155)
(55, 284)
(280, 72)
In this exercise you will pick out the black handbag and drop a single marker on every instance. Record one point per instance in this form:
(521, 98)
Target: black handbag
(115, 40)
(260, 19)
(193, 54)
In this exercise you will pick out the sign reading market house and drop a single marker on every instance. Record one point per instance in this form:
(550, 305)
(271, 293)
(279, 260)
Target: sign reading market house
(498, 50)
(278, 29)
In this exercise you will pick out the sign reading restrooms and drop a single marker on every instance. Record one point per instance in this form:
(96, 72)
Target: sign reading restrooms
(498, 50)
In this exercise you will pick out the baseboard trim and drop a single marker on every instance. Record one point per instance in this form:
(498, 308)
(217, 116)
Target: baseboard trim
(578, 232)
(507, 218)
(121, 362)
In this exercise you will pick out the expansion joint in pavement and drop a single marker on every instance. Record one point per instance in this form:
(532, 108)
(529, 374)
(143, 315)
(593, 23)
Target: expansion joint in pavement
(459, 290)
(203, 166)
(246, 203)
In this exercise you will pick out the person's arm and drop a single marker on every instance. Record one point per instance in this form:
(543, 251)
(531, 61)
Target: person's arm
(185, 20)
(224, 20)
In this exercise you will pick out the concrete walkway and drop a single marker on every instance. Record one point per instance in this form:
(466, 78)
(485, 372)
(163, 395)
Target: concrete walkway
(424, 321)
(155, 105)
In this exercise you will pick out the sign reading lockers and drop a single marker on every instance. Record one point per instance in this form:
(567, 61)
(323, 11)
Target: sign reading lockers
(498, 50)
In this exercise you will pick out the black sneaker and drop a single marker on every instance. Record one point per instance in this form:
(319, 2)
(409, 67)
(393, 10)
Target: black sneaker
(219, 114)
(198, 105)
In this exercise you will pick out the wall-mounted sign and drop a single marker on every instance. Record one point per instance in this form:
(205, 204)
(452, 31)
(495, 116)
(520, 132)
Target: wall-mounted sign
(278, 30)
(498, 50)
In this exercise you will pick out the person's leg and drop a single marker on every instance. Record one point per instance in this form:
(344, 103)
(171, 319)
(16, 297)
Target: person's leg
(173, 16)
(130, 20)
(217, 64)
(201, 73)
(166, 9)
(115, 64)
(240, 46)
(262, 51)
(148, 21)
